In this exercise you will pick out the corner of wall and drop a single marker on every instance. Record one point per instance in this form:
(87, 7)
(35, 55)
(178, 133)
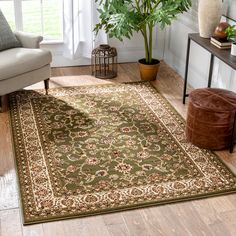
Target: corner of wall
(175, 54)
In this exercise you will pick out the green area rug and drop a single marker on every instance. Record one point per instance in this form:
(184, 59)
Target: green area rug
(95, 149)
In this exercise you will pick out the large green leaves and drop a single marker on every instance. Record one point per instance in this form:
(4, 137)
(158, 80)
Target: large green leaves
(167, 11)
(120, 18)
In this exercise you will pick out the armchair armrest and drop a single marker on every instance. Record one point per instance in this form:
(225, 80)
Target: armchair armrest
(28, 40)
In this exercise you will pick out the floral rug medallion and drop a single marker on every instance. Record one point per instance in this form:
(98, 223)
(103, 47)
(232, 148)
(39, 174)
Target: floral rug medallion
(94, 149)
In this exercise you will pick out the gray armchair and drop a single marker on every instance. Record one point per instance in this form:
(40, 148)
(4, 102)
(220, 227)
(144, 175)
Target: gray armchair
(23, 66)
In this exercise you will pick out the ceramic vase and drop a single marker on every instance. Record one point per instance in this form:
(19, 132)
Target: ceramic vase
(233, 49)
(209, 15)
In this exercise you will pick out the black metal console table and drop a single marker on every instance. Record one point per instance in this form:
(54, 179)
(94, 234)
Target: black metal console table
(223, 55)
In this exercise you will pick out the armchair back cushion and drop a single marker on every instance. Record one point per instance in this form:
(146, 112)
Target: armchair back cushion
(7, 37)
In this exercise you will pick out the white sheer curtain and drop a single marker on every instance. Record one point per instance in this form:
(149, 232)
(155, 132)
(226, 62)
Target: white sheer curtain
(80, 17)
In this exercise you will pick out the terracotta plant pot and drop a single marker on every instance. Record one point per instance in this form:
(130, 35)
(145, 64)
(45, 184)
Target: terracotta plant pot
(148, 72)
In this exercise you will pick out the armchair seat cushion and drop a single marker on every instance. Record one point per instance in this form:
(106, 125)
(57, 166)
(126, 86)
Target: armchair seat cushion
(16, 61)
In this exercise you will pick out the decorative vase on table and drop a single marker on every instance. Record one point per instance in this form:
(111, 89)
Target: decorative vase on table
(209, 15)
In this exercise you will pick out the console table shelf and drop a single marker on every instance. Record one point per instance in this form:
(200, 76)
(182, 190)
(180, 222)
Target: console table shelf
(223, 55)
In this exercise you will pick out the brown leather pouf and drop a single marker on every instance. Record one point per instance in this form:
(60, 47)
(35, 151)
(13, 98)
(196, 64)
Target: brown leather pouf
(210, 118)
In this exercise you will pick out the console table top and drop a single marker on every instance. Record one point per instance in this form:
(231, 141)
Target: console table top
(223, 54)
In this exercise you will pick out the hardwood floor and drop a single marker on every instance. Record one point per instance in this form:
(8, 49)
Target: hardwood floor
(211, 216)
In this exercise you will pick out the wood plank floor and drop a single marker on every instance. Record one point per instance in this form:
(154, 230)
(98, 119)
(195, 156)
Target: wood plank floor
(212, 216)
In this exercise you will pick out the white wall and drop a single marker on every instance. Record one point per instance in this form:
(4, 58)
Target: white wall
(175, 55)
(128, 51)
(133, 50)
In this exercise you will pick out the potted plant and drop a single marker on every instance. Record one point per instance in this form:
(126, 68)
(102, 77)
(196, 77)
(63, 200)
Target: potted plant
(120, 18)
(231, 34)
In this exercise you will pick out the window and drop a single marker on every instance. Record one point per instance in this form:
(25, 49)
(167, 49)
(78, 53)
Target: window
(7, 8)
(37, 16)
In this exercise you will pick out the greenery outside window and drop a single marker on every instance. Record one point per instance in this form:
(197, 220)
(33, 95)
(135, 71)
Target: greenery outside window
(44, 17)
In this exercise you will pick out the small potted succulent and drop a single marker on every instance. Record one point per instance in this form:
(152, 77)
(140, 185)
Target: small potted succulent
(120, 18)
(231, 34)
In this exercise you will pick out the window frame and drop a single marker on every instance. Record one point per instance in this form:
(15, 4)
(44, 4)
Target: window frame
(18, 19)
